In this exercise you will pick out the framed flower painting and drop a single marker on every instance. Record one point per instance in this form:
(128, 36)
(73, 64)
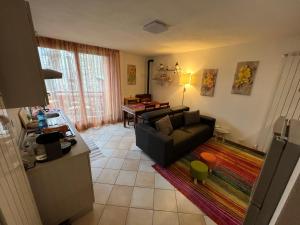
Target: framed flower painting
(131, 74)
(244, 77)
(209, 79)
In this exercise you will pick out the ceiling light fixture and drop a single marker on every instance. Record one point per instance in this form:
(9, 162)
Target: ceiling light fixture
(156, 27)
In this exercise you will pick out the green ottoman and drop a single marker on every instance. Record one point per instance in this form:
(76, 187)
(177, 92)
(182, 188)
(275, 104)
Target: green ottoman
(199, 171)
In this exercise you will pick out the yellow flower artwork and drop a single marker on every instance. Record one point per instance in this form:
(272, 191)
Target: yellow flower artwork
(209, 79)
(131, 74)
(244, 77)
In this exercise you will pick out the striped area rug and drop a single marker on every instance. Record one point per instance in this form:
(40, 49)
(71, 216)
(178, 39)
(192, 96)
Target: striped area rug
(225, 195)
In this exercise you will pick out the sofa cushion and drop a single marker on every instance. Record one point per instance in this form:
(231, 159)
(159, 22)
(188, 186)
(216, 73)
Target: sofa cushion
(181, 136)
(164, 125)
(177, 120)
(191, 117)
(188, 137)
(197, 129)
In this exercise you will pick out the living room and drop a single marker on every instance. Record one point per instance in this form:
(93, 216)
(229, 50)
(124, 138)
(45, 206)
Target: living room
(149, 113)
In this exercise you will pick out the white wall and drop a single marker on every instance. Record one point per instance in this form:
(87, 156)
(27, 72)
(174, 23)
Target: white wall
(140, 62)
(243, 115)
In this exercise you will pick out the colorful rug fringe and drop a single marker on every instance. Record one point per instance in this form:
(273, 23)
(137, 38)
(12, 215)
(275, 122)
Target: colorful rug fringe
(225, 195)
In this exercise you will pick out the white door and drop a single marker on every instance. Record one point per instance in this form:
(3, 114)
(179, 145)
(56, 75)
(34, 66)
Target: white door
(17, 205)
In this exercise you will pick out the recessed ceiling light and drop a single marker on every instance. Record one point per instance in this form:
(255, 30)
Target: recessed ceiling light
(156, 27)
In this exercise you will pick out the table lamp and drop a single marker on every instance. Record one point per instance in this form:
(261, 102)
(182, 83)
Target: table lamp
(185, 80)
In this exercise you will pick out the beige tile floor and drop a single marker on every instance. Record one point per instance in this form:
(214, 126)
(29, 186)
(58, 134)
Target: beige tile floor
(128, 191)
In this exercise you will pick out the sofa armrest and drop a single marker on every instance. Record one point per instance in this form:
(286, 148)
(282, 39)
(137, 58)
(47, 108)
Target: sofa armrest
(210, 121)
(156, 144)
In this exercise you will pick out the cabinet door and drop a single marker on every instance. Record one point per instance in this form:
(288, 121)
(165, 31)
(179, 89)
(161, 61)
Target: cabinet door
(21, 82)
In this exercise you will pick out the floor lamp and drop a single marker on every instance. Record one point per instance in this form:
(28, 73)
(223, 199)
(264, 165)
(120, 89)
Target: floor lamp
(185, 80)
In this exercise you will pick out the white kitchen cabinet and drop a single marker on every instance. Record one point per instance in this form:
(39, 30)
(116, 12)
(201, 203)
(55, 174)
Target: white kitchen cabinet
(21, 82)
(63, 188)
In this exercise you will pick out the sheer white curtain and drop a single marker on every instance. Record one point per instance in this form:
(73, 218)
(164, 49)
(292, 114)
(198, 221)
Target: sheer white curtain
(89, 92)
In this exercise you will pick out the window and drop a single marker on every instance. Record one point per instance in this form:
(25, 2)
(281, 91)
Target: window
(81, 91)
(92, 73)
(63, 93)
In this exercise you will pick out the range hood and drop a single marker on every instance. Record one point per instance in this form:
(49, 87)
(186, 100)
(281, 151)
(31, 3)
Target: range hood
(51, 74)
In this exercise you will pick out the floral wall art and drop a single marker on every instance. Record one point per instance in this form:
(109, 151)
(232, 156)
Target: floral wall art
(209, 79)
(244, 77)
(131, 74)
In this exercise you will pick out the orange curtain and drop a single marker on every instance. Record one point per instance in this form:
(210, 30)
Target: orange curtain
(90, 90)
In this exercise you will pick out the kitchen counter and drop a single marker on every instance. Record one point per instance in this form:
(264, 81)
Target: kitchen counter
(63, 188)
(76, 150)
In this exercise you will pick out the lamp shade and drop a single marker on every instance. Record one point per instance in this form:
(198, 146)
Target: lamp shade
(185, 78)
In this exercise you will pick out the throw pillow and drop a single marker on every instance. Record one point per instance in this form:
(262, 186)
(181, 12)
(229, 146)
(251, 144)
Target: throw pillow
(164, 125)
(191, 117)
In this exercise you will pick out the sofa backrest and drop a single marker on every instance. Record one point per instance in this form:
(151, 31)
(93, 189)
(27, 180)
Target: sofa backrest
(178, 109)
(175, 113)
(177, 120)
(155, 115)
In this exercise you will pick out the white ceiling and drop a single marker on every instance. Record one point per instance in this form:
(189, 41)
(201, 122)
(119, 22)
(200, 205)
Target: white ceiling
(194, 24)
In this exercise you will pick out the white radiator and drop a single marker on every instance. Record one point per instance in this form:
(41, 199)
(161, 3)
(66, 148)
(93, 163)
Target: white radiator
(16, 199)
(286, 100)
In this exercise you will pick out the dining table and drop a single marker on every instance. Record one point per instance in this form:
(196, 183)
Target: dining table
(137, 109)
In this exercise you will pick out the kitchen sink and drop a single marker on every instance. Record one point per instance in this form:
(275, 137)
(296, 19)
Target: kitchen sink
(52, 115)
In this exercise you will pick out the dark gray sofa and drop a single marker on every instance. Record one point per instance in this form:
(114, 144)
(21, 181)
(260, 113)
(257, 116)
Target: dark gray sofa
(165, 149)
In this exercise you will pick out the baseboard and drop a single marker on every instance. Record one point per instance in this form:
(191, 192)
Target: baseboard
(245, 147)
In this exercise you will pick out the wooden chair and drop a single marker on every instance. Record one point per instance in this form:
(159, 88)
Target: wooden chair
(164, 105)
(130, 101)
(144, 97)
(149, 107)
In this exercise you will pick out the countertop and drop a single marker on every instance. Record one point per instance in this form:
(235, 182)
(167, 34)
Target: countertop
(78, 149)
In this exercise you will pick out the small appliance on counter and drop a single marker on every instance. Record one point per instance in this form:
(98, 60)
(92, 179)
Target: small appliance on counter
(52, 145)
(45, 147)
(49, 138)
